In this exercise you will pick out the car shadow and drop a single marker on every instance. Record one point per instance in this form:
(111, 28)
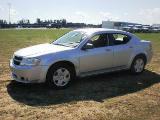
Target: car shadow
(95, 88)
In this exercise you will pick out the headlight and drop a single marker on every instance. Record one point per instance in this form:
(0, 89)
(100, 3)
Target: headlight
(30, 61)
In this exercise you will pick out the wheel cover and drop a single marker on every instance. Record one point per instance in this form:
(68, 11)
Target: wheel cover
(61, 77)
(139, 65)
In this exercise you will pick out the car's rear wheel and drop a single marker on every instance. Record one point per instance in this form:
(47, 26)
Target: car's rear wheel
(138, 65)
(60, 76)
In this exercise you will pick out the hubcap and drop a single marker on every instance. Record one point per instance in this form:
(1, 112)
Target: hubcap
(139, 65)
(61, 77)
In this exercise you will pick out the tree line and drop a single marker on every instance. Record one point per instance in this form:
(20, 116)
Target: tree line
(62, 23)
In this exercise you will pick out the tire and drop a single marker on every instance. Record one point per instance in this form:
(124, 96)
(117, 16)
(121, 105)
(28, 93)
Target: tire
(60, 76)
(138, 64)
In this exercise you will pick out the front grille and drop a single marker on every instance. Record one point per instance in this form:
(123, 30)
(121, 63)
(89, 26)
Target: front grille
(17, 60)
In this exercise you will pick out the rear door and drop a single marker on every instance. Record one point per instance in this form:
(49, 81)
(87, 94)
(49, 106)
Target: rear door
(122, 49)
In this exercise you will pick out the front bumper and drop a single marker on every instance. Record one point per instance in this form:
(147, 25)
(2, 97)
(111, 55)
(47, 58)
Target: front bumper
(28, 74)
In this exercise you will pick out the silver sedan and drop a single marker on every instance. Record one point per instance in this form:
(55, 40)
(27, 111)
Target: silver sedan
(81, 53)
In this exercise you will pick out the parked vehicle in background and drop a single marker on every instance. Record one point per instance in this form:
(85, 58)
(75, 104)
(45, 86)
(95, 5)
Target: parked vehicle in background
(127, 29)
(146, 29)
(130, 27)
(137, 28)
(155, 29)
(141, 29)
(81, 53)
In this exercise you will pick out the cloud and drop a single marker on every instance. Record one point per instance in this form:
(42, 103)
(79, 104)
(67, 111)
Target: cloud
(125, 14)
(1, 8)
(108, 16)
(13, 12)
(150, 15)
(3, 13)
(95, 18)
(150, 12)
(35, 12)
(81, 14)
(78, 16)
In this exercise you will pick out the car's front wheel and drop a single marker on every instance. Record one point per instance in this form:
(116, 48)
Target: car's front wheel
(60, 76)
(138, 65)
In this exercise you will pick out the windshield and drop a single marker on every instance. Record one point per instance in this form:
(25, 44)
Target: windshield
(71, 39)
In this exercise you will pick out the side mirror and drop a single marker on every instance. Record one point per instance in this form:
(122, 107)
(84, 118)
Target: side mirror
(87, 46)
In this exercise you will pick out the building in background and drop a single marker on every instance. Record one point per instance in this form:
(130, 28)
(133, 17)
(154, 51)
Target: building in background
(118, 25)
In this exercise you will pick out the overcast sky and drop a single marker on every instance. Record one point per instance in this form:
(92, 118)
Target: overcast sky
(88, 11)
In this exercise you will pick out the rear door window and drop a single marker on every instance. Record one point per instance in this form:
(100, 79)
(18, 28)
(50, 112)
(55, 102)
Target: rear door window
(118, 39)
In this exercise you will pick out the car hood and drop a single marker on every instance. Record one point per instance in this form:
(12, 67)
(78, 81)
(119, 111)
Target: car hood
(41, 49)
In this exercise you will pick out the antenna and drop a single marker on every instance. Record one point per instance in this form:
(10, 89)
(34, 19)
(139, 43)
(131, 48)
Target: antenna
(9, 8)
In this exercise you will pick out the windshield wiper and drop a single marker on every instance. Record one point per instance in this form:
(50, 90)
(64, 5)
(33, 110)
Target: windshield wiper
(68, 44)
(73, 42)
(58, 44)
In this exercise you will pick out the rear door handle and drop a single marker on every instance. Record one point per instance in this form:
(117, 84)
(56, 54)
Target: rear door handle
(130, 46)
(108, 49)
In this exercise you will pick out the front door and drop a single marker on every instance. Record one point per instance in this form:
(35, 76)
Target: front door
(98, 58)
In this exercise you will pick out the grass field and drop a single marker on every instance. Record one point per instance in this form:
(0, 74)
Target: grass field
(110, 96)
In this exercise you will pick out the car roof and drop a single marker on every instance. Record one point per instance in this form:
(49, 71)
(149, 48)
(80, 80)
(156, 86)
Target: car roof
(90, 31)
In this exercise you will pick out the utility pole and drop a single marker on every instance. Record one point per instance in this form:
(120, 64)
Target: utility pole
(9, 8)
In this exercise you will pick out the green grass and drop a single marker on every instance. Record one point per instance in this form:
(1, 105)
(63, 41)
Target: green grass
(12, 40)
(110, 96)
(153, 37)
